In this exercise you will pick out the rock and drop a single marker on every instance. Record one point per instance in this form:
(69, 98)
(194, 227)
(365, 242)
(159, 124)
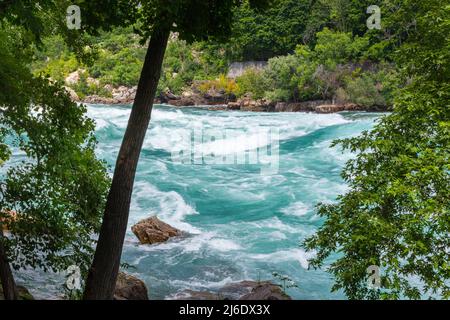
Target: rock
(329, 108)
(234, 106)
(261, 105)
(244, 290)
(108, 87)
(93, 81)
(196, 295)
(73, 95)
(129, 287)
(171, 96)
(266, 291)
(153, 230)
(304, 106)
(98, 99)
(124, 95)
(73, 77)
(24, 294)
(182, 102)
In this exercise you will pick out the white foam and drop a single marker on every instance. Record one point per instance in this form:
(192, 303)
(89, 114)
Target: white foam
(285, 255)
(296, 209)
(171, 209)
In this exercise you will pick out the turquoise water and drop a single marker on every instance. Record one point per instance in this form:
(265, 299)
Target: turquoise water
(242, 224)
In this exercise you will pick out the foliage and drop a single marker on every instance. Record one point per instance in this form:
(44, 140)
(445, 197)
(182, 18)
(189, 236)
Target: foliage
(260, 35)
(397, 212)
(252, 82)
(221, 84)
(58, 187)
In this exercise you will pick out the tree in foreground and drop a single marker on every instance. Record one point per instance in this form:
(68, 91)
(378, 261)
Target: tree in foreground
(397, 212)
(52, 193)
(192, 20)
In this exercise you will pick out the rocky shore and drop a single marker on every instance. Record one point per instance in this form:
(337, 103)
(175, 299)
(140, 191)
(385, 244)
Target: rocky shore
(218, 100)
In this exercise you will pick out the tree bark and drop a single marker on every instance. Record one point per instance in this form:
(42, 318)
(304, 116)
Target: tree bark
(6, 276)
(102, 277)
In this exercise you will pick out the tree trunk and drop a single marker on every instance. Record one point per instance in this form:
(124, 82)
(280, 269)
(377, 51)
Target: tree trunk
(102, 275)
(6, 276)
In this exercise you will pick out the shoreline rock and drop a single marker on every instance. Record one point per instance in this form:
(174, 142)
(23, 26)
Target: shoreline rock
(129, 287)
(218, 100)
(152, 230)
(243, 290)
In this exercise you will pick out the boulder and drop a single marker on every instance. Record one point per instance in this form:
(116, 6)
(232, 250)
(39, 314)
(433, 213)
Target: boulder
(153, 230)
(244, 290)
(305, 106)
(266, 291)
(129, 287)
(234, 106)
(261, 105)
(98, 99)
(73, 77)
(196, 295)
(73, 95)
(329, 108)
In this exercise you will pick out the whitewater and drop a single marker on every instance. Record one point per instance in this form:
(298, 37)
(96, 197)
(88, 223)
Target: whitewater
(242, 224)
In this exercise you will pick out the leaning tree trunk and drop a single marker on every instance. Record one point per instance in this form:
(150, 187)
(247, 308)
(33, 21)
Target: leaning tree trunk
(102, 275)
(6, 276)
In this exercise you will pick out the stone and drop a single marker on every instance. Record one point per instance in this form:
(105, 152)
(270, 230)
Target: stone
(73, 77)
(153, 230)
(196, 295)
(243, 290)
(73, 95)
(129, 287)
(234, 106)
(266, 291)
(329, 108)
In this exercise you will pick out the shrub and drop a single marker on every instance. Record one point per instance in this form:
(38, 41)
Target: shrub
(252, 82)
(364, 91)
(227, 85)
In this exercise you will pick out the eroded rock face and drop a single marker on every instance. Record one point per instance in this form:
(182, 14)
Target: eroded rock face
(129, 287)
(153, 230)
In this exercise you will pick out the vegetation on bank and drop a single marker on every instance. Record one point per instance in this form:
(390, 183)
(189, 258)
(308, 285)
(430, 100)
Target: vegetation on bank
(314, 50)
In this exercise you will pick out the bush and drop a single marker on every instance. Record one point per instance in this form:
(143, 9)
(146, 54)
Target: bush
(364, 91)
(283, 77)
(252, 82)
(224, 84)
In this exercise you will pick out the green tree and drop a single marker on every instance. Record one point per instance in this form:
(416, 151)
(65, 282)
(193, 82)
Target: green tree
(52, 200)
(396, 214)
(192, 20)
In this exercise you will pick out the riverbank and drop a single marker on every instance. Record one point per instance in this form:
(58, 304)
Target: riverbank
(221, 101)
